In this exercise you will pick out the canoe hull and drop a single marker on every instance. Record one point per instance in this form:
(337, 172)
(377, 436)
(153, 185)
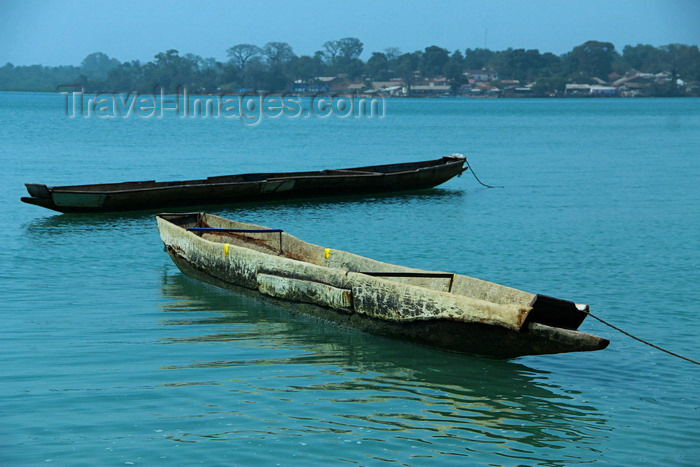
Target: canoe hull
(131, 196)
(416, 314)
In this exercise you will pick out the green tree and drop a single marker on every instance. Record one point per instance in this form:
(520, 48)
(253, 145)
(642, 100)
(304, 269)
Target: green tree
(378, 66)
(343, 55)
(593, 58)
(392, 53)
(434, 58)
(278, 53)
(332, 50)
(240, 54)
(307, 68)
(127, 77)
(519, 64)
(171, 71)
(683, 61)
(477, 59)
(643, 57)
(454, 70)
(407, 67)
(97, 66)
(276, 79)
(350, 48)
(255, 76)
(209, 74)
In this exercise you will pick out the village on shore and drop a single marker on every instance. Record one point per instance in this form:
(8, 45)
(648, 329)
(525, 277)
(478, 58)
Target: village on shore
(486, 84)
(592, 69)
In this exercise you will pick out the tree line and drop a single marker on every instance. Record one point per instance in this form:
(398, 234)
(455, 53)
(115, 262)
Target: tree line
(275, 67)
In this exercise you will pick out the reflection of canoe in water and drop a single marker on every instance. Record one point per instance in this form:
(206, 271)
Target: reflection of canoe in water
(259, 338)
(229, 189)
(439, 309)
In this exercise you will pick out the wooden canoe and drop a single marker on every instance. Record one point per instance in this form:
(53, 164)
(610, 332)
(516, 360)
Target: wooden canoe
(439, 309)
(230, 189)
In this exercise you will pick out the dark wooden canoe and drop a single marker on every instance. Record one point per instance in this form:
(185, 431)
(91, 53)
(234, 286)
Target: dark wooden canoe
(229, 189)
(445, 310)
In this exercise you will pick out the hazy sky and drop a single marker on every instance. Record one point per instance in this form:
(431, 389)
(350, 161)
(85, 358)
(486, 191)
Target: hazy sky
(64, 32)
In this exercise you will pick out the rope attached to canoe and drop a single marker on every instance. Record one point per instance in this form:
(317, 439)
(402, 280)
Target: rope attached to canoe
(643, 341)
(469, 167)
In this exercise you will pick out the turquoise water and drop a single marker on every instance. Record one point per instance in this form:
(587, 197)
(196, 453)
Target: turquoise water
(109, 356)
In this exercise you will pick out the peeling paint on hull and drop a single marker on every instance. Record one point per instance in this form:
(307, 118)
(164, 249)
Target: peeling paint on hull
(335, 286)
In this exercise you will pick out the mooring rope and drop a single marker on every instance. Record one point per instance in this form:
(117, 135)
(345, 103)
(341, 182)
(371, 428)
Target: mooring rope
(469, 167)
(643, 341)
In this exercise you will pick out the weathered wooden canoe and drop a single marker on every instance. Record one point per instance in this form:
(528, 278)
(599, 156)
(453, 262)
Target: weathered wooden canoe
(229, 189)
(434, 308)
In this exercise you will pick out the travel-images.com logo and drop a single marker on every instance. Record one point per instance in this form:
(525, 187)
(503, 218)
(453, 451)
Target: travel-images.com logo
(249, 108)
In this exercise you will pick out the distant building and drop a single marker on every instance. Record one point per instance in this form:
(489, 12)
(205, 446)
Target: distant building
(355, 87)
(304, 87)
(590, 90)
(386, 84)
(597, 90)
(480, 90)
(395, 87)
(480, 75)
(430, 89)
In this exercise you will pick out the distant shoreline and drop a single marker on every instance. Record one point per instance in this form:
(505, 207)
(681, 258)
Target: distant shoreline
(592, 69)
(357, 95)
